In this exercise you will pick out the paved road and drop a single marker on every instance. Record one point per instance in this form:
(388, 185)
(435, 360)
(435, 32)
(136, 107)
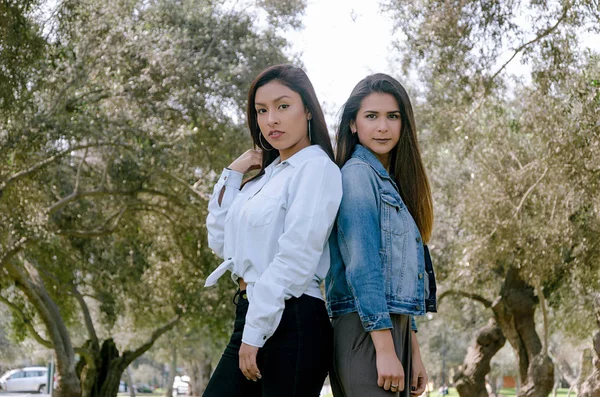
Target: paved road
(4, 393)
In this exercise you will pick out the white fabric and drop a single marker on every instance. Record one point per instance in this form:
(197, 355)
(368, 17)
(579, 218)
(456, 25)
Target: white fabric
(273, 233)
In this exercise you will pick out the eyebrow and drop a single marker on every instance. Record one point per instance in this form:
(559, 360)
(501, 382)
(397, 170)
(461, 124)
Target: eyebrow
(276, 100)
(375, 111)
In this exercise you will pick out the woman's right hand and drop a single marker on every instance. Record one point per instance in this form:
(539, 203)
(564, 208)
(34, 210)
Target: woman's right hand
(248, 161)
(390, 373)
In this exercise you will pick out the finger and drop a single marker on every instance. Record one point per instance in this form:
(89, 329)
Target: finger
(246, 368)
(387, 383)
(380, 381)
(253, 368)
(421, 385)
(245, 372)
(414, 382)
(401, 383)
(394, 386)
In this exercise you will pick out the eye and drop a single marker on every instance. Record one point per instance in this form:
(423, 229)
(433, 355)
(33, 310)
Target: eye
(261, 111)
(394, 116)
(284, 106)
(371, 116)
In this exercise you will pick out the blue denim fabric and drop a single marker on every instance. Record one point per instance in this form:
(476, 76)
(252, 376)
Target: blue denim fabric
(377, 255)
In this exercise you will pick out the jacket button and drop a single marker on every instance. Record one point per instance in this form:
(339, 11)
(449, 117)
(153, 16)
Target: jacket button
(418, 307)
(418, 239)
(264, 337)
(420, 276)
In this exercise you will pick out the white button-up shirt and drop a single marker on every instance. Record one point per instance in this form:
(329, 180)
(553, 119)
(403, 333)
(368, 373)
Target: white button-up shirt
(273, 233)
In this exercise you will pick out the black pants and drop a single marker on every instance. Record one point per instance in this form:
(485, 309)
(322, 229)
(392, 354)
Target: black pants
(293, 362)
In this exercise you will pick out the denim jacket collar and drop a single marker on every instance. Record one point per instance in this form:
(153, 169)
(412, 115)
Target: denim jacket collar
(368, 157)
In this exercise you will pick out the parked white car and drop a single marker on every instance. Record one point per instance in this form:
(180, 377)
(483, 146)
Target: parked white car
(181, 385)
(31, 379)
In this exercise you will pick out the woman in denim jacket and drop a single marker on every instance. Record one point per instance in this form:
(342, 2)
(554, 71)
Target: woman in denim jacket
(378, 279)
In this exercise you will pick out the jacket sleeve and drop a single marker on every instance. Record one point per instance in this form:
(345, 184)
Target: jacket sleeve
(359, 246)
(312, 204)
(215, 221)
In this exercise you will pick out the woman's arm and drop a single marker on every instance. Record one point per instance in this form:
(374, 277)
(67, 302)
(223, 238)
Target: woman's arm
(223, 195)
(419, 375)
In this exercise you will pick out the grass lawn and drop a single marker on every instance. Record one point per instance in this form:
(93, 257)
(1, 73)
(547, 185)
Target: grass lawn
(504, 393)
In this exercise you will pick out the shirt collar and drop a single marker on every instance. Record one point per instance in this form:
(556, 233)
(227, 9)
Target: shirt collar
(368, 157)
(303, 155)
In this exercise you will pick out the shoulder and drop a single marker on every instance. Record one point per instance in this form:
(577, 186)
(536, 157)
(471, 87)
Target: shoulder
(357, 170)
(318, 162)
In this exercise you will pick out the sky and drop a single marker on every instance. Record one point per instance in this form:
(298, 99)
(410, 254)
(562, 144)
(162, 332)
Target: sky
(342, 42)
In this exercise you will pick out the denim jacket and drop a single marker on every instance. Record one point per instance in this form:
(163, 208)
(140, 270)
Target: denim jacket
(378, 260)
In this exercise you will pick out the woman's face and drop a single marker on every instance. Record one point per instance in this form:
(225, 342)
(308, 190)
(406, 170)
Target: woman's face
(282, 118)
(378, 125)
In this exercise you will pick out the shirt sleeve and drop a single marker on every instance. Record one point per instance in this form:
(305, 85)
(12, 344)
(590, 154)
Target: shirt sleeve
(360, 245)
(313, 200)
(215, 221)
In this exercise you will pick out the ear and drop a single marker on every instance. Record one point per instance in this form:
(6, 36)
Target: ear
(308, 115)
(353, 127)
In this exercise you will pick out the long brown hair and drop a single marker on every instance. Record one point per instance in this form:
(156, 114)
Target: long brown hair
(406, 165)
(295, 79)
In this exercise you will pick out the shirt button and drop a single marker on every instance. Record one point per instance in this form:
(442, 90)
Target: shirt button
(420, 275)
(418, 239)
(418, 307)
(264, 337)
(225, 178)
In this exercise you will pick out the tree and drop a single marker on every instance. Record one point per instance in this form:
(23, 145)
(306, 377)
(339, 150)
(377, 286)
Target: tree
(126, 116)
(515, 185)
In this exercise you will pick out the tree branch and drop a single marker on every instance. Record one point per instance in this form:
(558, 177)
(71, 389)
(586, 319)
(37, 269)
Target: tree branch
(187, 185)
(87, 318)
(78, 177)
(529, 191)
(12, 251)
(28, 323)
(99, 192)
(100, 231)
(129, 356)
(51, 159)
(544, 33)
(475, 297)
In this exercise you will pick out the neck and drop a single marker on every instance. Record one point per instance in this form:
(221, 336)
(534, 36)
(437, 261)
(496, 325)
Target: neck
(385, 160)
(295, 148)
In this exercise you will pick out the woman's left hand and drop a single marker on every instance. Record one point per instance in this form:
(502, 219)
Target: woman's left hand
(248, 362)
(419, 376)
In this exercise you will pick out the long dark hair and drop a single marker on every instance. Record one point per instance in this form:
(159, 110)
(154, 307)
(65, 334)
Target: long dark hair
(295, 79)
(406, 165)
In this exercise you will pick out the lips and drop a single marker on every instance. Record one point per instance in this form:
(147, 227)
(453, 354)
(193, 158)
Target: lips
(382, 140)
(275, 134)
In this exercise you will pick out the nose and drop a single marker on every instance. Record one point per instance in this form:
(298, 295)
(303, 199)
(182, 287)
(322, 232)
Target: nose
(272, 119)
(382, 126)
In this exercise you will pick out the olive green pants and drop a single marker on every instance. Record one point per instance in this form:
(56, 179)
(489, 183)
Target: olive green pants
(354, 372)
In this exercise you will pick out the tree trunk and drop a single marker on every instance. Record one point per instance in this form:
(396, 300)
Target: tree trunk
(470, 381)
(515, 312)
(591, 386)
(172, 372)
(130, 382)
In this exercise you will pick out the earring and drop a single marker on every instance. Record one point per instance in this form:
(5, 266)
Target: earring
(309, 134)
(260, 142)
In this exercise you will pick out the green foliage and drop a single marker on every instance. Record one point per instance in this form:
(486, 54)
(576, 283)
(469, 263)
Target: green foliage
(512, 152)
(133, 108)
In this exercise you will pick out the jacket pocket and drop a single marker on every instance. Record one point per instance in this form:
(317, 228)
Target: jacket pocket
(393, 215)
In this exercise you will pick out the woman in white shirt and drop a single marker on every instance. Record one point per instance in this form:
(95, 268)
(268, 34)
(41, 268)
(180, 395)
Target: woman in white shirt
(272, 232)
